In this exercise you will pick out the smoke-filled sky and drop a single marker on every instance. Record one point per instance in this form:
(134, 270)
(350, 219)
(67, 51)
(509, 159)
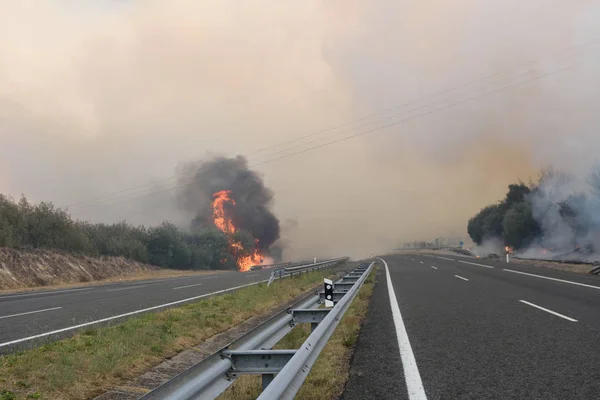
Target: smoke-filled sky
(101, 96)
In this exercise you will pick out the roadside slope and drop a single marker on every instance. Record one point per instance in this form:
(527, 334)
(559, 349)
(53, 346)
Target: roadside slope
(43, 268)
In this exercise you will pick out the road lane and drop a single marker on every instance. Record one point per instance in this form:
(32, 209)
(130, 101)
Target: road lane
(580, 301)
(479, 340)
(82, 306)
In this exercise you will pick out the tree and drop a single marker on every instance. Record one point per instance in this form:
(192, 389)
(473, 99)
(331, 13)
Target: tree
(31, 226)
(486, 224)
(519, 226)
(517, 193)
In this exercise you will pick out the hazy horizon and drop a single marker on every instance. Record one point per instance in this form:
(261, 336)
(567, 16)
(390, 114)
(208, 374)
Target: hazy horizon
(106, 96)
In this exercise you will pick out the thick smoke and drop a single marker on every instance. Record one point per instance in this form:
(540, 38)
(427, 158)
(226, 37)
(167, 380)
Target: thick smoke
(567, 209)
(200, 180)
(101, 96)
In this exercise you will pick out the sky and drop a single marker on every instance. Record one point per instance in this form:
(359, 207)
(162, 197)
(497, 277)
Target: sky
(374, 122)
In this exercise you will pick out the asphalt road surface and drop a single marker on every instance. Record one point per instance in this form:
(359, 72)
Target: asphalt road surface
(476, 329)
(28, 318)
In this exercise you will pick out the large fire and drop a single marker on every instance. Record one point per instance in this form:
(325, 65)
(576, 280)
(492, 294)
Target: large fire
(225, 225)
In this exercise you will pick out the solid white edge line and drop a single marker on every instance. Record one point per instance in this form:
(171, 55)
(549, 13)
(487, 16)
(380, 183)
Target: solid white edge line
(30, 312)
(70, 328)
(445, 258)
(434, 267)
(553, 279)
(10, 296)
(187, 286)
(548, 311)
(460, 277)
(414, 385)
(472, 263)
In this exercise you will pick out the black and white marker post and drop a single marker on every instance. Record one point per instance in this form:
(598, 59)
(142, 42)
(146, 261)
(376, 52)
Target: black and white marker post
(328, 283)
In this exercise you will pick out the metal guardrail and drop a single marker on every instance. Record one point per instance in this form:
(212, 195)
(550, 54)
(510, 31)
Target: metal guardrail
(292, 270)
(282, 370)
(294, 373)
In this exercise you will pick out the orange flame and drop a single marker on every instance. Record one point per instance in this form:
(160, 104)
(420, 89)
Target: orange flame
(224, 224)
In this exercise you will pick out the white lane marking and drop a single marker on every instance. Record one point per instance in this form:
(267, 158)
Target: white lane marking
(434, 267)
(250, 276)
(553, 279)
(460, 277)
(422, 262)
(126, 288)
(30, 312)
(445, 258)
(414, 385)
(472, 263)
(548, 311)
(70, 328)
(187, 286)
(42, 293)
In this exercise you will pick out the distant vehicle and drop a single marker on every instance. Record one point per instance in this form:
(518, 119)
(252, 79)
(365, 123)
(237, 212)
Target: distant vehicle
(255, 267)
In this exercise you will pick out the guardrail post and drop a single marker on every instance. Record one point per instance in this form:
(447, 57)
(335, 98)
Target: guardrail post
(266, 380)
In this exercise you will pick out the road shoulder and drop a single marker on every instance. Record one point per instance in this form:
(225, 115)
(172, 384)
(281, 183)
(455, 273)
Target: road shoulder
(376, 369)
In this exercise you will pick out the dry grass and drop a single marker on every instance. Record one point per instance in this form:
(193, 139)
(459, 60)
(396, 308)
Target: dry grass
(330, 373)
(99, 359)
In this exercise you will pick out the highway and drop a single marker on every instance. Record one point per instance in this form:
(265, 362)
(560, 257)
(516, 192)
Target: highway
(26, 318)
(449, 327)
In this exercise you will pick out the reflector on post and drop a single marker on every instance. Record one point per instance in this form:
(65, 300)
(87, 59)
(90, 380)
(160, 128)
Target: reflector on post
(328, 283)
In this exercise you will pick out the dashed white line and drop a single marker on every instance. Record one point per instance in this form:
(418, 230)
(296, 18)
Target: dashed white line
(422, 262)
(553, 279)
(460, 277)
(445, 258)
(250, 276)
(548, 311)
(126, 288)
(30, 312)
(434, 267)
(472, 263)
(414, 385)
(187, 286)
(70, 328)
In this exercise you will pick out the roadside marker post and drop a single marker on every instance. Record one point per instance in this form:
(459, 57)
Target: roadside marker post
(328, 285)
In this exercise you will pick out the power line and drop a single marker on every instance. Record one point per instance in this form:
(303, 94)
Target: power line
(444, 107)
(437, 94)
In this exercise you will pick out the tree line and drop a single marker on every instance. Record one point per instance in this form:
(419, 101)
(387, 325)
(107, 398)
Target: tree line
(559, 212)
(24, 225)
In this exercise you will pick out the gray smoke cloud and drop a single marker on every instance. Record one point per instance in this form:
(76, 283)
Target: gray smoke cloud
(101, 96)
(199, 181)
(567, 209)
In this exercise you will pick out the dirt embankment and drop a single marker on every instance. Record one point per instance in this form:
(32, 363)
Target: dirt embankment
(41, 268)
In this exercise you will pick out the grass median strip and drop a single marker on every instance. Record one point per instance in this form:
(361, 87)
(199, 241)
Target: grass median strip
(330, 373)
(95, 360)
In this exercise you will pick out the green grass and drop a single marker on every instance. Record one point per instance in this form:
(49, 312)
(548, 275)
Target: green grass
(330, 373)
(96, 360)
